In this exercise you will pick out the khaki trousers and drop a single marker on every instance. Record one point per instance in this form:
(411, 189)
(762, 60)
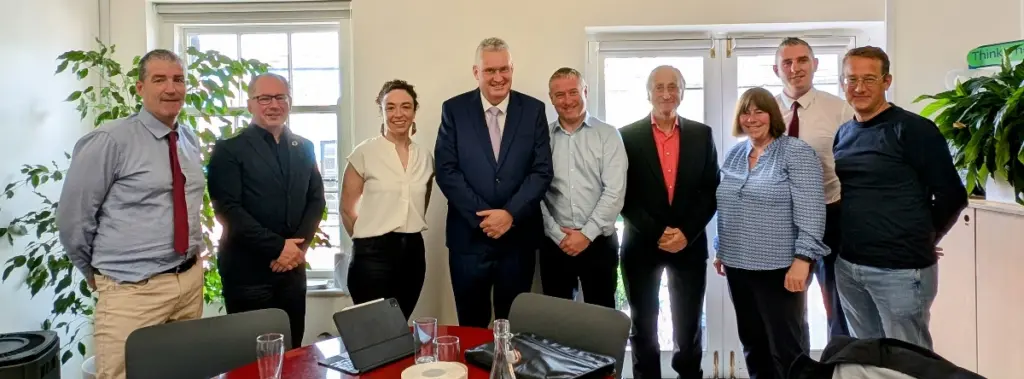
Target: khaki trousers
(123, 308)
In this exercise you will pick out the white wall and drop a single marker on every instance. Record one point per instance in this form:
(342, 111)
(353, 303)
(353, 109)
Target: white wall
(36, 126)
(431, 43)
(926, 47)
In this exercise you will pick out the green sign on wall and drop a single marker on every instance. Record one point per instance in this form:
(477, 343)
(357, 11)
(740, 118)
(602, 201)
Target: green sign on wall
(992, 55)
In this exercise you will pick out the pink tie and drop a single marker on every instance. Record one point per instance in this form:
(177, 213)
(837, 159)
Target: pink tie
(492, 127)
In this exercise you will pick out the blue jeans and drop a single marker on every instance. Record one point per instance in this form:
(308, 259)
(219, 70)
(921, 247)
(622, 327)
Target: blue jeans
(890, 303)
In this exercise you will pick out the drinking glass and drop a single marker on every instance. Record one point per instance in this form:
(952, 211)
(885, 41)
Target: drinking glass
(448, 349)
(270, 355)
(424, 332)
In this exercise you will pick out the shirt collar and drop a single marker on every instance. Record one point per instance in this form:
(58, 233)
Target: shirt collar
(502, 106)
(263, 133)
(557, 125)
(654, 122)
(154, 126)
(806, 101)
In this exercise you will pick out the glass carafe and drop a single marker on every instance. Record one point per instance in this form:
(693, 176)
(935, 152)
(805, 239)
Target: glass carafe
(501, 367)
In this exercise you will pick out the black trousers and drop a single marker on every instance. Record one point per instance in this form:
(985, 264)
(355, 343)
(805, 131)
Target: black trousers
(595, 268)
(642, 271)
(825, 272)
(508, 271)
(771, 321)
(391, 265)
(285, 291)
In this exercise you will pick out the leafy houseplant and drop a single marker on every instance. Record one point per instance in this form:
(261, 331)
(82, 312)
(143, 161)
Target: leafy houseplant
(983, 121)
(212, 80)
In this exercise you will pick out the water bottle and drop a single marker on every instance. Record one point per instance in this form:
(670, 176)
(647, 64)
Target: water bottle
(501, 367)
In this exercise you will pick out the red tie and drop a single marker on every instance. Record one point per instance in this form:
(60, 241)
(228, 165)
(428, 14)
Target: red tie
(178, 193)
(794, 124)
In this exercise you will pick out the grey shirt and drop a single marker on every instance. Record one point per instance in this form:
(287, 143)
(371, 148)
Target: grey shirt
(589, 186)
(115, 213)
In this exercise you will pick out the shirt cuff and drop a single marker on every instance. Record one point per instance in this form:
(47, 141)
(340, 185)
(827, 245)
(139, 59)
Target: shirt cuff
(591, 231)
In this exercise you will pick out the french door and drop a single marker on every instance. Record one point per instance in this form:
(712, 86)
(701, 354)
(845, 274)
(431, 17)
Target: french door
(716, 72)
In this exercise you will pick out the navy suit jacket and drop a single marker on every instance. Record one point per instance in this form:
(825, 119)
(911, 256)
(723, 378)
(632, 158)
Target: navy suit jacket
(472, 180)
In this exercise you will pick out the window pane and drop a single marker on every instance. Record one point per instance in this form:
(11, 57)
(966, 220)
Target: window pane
(315, 50)
(271, 49)
(316, 86)
(625, 81)
(322, 130)
(226, 44)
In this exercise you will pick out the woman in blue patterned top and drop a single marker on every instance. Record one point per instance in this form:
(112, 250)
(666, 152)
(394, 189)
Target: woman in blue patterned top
(771, 220)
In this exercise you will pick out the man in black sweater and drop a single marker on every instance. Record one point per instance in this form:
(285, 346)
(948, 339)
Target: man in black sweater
(901, 194)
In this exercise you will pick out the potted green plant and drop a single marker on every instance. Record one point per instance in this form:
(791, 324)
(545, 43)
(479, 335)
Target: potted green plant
(214, 81)
(983, 121)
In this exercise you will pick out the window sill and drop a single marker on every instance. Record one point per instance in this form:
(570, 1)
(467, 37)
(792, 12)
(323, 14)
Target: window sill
(323, 288)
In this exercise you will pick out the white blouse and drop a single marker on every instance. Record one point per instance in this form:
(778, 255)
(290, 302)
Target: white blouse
(394, 199)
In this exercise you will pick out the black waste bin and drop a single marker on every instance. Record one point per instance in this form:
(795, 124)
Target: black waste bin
(30, 355)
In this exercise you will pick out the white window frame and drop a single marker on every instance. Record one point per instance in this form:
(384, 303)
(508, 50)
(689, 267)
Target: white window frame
(176, 20)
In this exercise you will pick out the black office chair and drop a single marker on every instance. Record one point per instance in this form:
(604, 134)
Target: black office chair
(593, 328)
(201, 348)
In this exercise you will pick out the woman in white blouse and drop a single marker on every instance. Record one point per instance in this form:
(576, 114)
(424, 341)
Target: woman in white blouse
(385, 193)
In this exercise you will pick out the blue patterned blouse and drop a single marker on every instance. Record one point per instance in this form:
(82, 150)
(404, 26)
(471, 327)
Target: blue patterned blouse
(773, 212)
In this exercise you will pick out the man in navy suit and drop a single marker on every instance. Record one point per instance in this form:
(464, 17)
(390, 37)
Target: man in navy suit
(493, 157)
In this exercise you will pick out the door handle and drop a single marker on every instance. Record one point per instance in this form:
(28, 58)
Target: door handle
(714, 374)
(732, 364)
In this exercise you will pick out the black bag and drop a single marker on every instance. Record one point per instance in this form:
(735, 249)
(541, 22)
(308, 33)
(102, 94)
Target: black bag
(542, 358)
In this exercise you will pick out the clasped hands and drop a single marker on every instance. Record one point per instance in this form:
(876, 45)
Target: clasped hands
(672, 240)
(291, 256)
(574, 242)
(496, 222)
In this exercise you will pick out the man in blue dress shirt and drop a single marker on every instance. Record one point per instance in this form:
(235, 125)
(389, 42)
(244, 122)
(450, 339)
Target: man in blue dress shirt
(129, 214)
(584, 199)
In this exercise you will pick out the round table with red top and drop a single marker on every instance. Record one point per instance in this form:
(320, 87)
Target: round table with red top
(302, 363)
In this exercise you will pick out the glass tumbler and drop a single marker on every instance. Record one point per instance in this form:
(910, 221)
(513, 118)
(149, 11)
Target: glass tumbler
(270, 355)
(448, 349)
(424, 330)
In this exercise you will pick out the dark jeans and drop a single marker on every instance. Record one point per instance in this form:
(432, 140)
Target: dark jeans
(642, 270)
(825, 272)
(391, 265)
(595, 269)
(770, 320)
(507, 270)
(285, 291)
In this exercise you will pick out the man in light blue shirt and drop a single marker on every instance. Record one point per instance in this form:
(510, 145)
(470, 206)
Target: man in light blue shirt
(584, 200)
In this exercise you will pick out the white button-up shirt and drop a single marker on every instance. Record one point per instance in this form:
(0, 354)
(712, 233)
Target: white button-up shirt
(821, 114)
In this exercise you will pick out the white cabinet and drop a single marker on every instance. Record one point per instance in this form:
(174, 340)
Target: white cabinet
(1000, 280)
(953, 323)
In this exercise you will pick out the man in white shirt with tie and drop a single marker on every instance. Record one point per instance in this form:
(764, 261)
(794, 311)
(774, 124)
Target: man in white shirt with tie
(814, 116)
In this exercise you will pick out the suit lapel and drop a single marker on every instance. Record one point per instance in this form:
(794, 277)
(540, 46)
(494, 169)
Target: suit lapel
(476, 112)
(297, 166)
(651, 153)
(263, 150)
(691, 159)
(514, 113)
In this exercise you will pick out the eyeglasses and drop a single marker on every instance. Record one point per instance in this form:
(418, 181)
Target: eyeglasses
(265, 99)
(854, 81)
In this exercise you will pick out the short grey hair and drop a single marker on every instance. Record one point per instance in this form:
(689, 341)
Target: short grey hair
(252, 82)
(160, 55)
(490, 44)
(568, 72)
(679, 76)
(793, 41)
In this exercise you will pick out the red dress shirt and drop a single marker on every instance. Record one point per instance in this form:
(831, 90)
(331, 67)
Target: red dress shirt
(668, 154)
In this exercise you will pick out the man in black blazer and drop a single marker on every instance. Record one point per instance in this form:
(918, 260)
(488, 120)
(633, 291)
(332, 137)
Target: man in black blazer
(670, 198)
(268, 195)
(493, 158)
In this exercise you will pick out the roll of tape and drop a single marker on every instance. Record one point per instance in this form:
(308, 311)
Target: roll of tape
(436, 370)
